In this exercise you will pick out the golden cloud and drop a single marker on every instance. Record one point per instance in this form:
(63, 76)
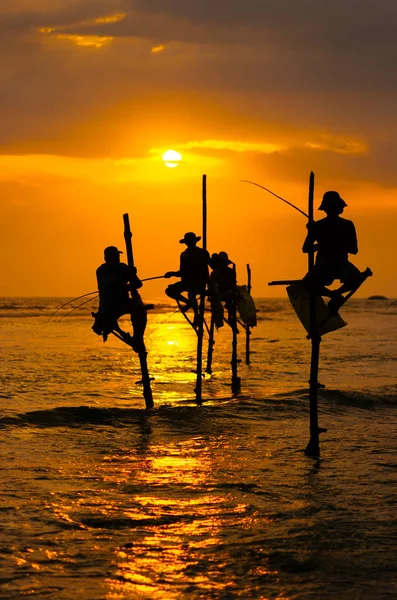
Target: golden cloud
(85, 40)
(157, 49)
(233, 146)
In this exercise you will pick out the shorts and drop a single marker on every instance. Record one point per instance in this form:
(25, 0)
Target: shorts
(174, 289)
(326, 272)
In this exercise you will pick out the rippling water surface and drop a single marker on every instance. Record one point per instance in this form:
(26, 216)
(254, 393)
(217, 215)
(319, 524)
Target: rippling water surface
(101, 499)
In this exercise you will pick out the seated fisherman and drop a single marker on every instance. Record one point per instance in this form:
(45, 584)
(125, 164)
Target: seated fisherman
(222, 286)
(334, 239)
(118, 295)
(193, 271)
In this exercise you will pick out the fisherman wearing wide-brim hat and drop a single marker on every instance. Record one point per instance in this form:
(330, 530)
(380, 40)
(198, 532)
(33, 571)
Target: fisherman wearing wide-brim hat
(194, 274)
(334, 238)
(222, 286)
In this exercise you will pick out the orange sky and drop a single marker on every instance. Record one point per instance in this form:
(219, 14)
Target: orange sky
(94, 91)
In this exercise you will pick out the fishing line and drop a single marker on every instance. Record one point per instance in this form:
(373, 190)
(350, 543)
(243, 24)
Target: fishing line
(276, 195)
(70, 302)
(76, 307)
(91, 294)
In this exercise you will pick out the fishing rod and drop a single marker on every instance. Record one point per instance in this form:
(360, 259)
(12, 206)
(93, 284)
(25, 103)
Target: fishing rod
(70, 302)
(276, 195)
(92, 293)
(76, 307)
(151, 278)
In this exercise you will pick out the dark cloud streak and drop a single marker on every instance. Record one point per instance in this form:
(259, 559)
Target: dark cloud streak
(308, 63)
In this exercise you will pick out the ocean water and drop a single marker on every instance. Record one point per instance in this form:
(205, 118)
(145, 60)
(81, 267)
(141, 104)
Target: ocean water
(102, 499)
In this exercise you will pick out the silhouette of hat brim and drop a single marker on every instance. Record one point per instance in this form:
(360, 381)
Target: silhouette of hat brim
(331, 199)
(189, 236)
(223, 257)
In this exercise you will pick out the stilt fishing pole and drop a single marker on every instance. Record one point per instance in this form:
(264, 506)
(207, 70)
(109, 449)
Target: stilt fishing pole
(313, 446)
(236, 381)
(211, 344)
(200, 327)
(183, 312)
(141, 349)
(247, 326)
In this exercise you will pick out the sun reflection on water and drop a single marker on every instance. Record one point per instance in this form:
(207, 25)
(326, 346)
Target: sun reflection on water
(164, 561)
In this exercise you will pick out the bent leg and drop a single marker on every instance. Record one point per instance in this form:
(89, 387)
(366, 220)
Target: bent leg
(350, 278)
(316, 281)
(175, 290)
(105, 323)
(138, 316)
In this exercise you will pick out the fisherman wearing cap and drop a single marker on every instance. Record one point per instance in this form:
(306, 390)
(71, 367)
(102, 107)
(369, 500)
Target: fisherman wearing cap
(334, 239)
(193, 271)
(116, 281)
(222, 286)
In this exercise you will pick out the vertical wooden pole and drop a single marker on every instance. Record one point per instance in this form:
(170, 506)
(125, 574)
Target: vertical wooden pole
(147, 390)
(313, 446)
(236, 382)
(211, 344)
(247, 327)
(200, 328)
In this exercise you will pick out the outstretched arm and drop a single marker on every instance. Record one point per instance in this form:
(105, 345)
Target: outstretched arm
(169, 274)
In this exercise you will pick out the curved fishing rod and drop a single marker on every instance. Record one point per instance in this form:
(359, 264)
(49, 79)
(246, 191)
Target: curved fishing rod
(151, 278)
(70, 302)
(76, 307)
(91, 294)
(273, 194)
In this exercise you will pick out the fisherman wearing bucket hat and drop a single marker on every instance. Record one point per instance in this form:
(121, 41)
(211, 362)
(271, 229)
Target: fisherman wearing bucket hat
(334, 238)
(116, 281)
(194, 274)
(222, 286)
(332, 202)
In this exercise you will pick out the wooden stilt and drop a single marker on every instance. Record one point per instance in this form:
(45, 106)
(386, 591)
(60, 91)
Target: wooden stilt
(140, 344)
(313, 447)
(236, 381)
(211, 344)
(247, 327)
(200, 327)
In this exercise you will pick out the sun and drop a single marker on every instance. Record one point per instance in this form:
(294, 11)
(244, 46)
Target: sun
(172, 158)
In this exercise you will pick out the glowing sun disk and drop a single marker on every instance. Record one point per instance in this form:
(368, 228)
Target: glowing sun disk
(172, 158)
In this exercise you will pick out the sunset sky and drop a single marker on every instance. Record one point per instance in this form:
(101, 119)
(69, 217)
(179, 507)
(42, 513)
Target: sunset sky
(93, 92)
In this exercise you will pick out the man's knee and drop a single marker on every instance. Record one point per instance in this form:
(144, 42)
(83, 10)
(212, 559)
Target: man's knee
(351, 276)
(171, 292)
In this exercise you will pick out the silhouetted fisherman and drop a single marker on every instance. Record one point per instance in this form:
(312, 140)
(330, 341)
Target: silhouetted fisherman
(116, 281)
(194, 274)
(334, 239)
(222, 286)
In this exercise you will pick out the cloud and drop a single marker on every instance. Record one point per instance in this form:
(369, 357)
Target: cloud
(320, 143)
(117, 77)
(232, 146)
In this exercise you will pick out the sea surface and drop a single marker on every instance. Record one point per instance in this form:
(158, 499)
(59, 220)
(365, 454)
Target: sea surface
(102, 499)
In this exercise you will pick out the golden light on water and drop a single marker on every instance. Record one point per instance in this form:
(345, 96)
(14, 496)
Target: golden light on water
(172, 158)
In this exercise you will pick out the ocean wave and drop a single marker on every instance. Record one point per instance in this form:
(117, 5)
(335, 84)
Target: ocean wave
(279, 405)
